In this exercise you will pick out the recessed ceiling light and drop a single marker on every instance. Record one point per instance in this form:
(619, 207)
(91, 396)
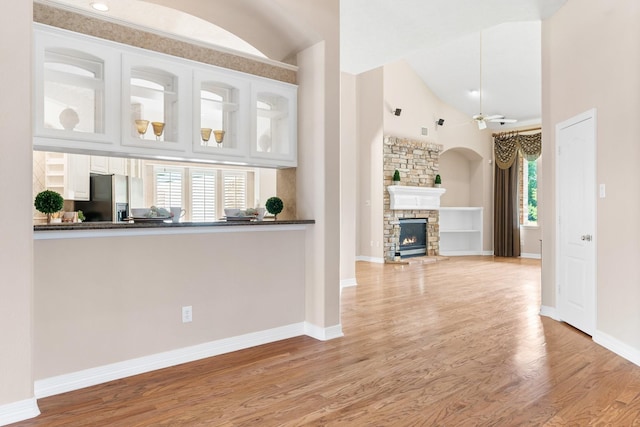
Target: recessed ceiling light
(100, 7)
(474, 92)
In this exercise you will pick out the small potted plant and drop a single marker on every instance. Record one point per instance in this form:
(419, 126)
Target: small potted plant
(274, 206)
(50, 203)
(396, 177)
(438, 181)
(81, 216)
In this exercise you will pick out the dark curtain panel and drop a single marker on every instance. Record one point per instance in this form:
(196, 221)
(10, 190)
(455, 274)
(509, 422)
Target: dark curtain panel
(506, 226)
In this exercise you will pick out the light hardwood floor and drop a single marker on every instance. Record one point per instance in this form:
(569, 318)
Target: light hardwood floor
(455, 343)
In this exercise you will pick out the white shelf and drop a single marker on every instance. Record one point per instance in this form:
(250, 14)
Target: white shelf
(460, 231)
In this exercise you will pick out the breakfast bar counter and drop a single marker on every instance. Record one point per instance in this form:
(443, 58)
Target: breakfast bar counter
(131, 228)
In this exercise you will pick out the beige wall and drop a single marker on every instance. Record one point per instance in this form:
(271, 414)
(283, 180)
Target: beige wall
(369, 153)
(16, 248)
(591, 59)
(397, 86)
(455, 168)
(348, 173)
(111, 299)
(318, 173)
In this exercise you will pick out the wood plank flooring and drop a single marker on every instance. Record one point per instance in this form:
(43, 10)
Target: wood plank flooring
(455, 343)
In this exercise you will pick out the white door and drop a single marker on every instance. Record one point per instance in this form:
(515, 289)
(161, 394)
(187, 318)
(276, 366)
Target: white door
(575, 200)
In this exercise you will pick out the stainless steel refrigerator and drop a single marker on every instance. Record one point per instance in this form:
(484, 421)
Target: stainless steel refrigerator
(111, 197)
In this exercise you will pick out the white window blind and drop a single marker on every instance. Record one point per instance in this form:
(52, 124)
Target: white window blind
(203, 195)
(168, 188)
(234, 189)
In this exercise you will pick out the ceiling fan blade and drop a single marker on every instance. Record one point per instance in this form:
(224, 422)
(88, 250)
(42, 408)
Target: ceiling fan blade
(494, 117)
(503, 121)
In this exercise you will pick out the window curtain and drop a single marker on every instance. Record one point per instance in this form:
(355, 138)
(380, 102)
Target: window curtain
(506, 223)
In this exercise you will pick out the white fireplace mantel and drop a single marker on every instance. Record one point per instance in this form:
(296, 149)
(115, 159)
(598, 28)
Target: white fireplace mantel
(415, 198)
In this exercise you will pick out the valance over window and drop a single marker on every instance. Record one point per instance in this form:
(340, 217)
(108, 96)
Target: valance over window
(508, 144)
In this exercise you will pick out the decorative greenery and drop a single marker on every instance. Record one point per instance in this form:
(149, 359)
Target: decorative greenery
(274, 206)
(48, 202)
(438, 180)
(81, 216)
(396, 176)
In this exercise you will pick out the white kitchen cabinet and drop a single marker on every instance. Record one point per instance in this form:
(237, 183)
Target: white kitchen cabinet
(108, 165)
(95, 97)
(117, 165)
(156, 107)
(68, 174)
(274, 122)
(460, 231)
(74, 96)
(99, 164)
(221, 110)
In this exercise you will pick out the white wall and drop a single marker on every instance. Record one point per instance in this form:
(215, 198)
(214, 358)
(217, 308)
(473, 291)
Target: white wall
(591, 59)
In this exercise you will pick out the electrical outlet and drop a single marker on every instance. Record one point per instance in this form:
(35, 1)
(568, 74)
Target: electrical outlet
(187, 314)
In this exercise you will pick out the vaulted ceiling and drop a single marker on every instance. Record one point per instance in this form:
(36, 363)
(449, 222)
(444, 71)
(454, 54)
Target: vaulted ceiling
(440, 39)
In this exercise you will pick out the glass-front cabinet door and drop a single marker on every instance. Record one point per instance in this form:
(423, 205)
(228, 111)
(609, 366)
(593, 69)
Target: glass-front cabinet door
(71, 88)
(220, 105)
(155, 113)
(274, 122)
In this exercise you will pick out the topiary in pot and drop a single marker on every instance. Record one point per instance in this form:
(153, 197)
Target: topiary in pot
(274, 206)
(48, 202)
(396, 177)
(438, 181)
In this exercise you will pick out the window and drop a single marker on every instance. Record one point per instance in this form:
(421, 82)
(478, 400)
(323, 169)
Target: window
(235, 189)
(203, 195)
(202, 191)
(168, 187)
(529, 192)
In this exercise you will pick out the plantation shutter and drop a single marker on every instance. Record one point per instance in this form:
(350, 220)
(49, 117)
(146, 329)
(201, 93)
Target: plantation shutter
(168, 188)
(234, 189)
(203, 196)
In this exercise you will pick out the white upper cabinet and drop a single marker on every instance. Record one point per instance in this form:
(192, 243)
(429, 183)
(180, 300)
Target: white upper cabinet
(274, 122)
(155, 103)
(73, 100)
(220, 113)
(97, 97)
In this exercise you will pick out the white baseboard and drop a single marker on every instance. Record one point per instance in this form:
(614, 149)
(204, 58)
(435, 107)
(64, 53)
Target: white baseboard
(532, 256)
(551, 312)
(347, 283)
(89, 377)
(370, 259)
(323, 334)
(618, 347)
(18, 411)
(102, 374)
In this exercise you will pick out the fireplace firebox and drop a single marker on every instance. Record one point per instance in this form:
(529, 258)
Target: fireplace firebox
(413, 237)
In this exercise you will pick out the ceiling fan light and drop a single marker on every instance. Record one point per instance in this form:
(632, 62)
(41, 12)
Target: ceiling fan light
(482, 124)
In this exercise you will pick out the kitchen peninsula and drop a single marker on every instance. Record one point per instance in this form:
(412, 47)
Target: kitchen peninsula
(110, 297)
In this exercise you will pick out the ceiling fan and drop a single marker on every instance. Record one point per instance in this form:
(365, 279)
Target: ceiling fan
(481, 119)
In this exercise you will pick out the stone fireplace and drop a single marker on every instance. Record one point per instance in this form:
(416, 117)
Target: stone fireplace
(413, 237)
(418, 163)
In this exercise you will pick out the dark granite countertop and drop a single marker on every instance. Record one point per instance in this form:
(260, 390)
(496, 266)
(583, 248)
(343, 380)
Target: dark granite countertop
(135, 225)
